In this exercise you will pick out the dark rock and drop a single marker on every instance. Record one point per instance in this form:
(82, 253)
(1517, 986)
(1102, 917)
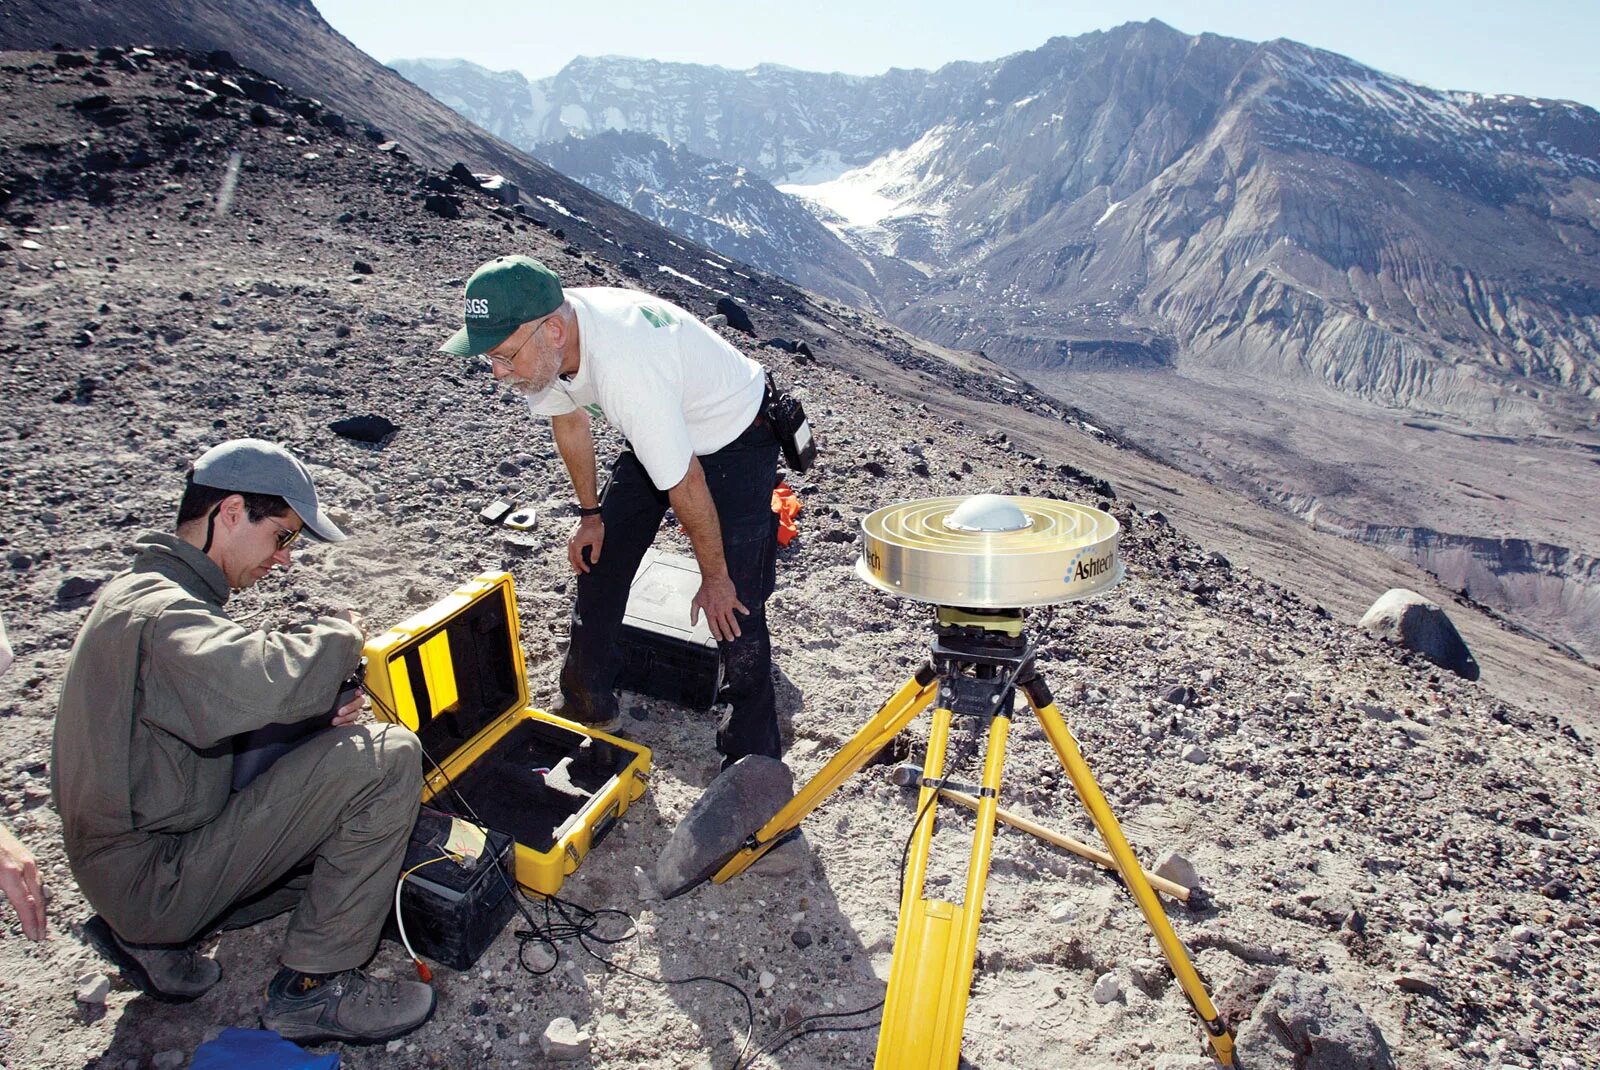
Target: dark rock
(1303, 1023)
(875, 469)
(346, 217)
(737, 803)
(1407, 618)
(738, 318)
(801, 939)
(261, 116)
(263, 92)
(441, 205)
(78, 588)
(463, 175)
(69, 61)
(838, 535)
(369, 428)
(361, 267)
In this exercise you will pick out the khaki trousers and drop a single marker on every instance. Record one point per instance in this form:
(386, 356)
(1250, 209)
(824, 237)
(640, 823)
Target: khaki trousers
(321, 832)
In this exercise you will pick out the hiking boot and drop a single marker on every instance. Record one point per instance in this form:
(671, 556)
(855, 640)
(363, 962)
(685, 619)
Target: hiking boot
(588, 718)
(348, 1006)
(167, 972)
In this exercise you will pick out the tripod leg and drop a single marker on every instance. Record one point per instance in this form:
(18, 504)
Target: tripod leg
(1094, 801)
(913, 696)
(936, 942)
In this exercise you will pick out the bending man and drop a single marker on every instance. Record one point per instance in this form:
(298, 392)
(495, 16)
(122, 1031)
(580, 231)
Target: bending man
(689, 405)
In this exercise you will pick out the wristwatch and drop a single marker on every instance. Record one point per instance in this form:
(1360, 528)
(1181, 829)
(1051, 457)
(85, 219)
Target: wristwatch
(588, 511)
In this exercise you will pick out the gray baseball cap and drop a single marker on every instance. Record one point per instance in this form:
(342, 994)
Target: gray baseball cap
(252, 466)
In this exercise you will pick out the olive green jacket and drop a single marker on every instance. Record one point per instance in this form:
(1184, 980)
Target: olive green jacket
(159, 682)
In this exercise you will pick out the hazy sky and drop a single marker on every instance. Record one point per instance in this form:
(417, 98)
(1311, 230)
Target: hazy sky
(1546, 48)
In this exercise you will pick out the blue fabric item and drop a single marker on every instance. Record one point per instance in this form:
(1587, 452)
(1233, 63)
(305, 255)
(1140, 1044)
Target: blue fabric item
(258, 1049)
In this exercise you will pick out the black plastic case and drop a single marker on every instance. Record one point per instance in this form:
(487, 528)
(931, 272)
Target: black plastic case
(661, 653)
(453, 912)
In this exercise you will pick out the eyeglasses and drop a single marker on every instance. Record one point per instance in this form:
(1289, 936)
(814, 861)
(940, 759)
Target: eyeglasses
(495, 358)
(285, 535)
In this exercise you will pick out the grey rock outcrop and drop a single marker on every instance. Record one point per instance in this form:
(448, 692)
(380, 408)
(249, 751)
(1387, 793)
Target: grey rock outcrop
(1407, 618)
(1303, 1023)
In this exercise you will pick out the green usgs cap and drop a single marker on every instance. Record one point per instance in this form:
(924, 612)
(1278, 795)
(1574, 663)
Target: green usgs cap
(252, 466)
(502, 295)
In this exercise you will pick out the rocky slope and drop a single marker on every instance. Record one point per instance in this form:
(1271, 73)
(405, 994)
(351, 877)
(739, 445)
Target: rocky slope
(1427, 845)
(717, 205)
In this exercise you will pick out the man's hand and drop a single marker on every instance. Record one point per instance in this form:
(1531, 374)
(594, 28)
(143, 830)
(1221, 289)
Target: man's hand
(19, 879)
(589, 533)
(718, 598)
(351, 710)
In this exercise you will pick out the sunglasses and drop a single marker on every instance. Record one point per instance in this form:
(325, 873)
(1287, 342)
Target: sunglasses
(285, 535)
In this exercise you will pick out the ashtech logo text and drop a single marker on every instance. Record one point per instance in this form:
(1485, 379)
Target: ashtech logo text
(1088, 568)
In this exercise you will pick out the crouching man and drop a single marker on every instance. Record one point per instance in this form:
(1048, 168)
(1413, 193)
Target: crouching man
(159, 683)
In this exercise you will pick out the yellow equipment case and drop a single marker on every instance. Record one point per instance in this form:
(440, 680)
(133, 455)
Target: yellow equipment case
(454, 674)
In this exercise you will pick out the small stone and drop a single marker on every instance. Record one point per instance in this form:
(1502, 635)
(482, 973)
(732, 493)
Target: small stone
(1415, 983)
(800, 939)
(394, 1046)
(171, 1059)
(77, 588)
(1196, 754)
(766, 981)
(1505, 954)
(1062, 911)
(1107, 988)
(1444, 872)
(643, 885)
(93, 988)
(1178, 869)
(361, 267)
(563, 1040)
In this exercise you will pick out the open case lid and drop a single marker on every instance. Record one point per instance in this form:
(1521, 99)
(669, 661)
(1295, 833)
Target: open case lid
(453, 670)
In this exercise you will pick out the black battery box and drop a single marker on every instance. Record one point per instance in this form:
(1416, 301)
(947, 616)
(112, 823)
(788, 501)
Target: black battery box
(660, 652)
(453, 909)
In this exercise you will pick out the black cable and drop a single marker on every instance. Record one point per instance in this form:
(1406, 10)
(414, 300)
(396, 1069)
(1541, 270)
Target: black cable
(794, 1032)
(582, 929)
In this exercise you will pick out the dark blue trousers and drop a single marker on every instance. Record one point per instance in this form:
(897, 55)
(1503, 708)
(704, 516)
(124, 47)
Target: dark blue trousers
(740, 476)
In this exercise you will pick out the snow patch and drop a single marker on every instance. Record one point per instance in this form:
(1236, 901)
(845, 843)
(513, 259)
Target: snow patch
(686, 278)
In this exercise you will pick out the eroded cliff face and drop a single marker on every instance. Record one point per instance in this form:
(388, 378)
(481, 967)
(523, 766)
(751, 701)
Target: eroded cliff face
(1552, 590)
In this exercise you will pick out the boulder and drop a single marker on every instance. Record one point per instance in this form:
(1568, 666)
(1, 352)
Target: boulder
(441, 205)
(1407, 618)
(1304, 1023)
(742, 799)
(738, 318)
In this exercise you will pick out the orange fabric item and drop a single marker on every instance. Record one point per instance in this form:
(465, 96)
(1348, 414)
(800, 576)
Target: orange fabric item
(786, 503)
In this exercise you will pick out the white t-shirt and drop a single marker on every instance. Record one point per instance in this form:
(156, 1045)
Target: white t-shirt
(665, 380)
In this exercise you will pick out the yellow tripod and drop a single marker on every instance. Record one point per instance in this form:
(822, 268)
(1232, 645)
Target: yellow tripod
(981, 658)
